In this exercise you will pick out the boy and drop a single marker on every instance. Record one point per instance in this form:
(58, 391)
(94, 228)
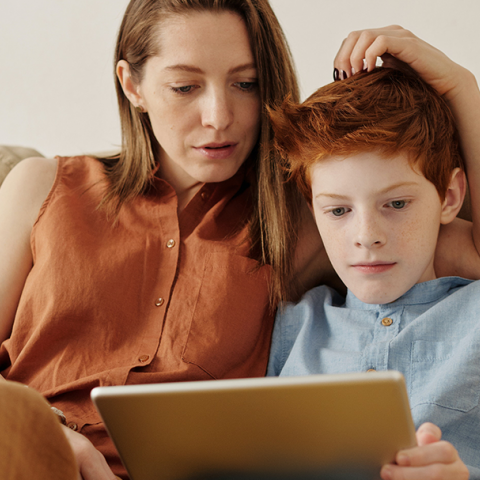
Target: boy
(376, 157)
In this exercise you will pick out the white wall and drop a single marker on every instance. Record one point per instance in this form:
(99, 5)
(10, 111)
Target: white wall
(56, 86)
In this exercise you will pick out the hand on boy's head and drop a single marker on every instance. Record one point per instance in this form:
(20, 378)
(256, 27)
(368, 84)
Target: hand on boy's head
(432, 458)
(431, 64)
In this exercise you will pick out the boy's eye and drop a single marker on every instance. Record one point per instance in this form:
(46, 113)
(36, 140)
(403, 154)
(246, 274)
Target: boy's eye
(398, 204)
(338, 212)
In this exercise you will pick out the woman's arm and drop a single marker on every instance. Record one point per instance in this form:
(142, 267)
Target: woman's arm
(459, 243)
(21, 197)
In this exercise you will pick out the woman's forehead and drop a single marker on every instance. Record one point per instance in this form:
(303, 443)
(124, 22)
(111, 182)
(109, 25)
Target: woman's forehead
(206, 30)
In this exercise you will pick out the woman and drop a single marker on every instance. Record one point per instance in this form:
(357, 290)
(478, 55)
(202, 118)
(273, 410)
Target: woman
(166, 262)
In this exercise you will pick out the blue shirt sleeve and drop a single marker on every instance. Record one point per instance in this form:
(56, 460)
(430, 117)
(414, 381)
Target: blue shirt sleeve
(474, 472)
(277, 358)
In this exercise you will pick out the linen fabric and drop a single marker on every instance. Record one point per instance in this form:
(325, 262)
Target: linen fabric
(24, 452)
(152, 297)
(431, 334)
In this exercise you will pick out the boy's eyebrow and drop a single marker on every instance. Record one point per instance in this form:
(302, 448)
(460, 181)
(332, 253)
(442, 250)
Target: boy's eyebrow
(191, 68)
(332, 195)
(381, 192)
(398, 185)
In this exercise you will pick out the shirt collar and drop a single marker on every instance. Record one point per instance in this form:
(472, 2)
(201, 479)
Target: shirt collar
(425, 292)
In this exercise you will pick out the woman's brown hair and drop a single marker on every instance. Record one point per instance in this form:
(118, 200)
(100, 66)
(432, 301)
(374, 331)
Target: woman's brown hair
(275, 218)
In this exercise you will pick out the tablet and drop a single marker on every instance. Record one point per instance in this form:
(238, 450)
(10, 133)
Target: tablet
(297, 426)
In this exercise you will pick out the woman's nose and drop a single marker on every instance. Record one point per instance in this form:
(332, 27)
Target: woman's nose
(217, 111)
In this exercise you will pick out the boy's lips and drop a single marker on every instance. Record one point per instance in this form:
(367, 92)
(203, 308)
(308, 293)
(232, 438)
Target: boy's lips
(373, 267)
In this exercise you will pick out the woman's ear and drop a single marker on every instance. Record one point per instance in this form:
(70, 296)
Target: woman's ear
(130, 89)
(454, 196)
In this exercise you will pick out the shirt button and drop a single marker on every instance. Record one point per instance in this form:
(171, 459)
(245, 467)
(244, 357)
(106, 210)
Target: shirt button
(171, 243)
(204, 195)
(143, 358)
(159, 302)
(386, 322)
(371, 370)
(72, 426)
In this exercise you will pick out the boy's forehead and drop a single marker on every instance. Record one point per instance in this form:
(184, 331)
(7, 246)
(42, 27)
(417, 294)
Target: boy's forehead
(373, 168)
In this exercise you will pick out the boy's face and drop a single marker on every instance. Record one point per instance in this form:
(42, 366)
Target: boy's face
(379, 220)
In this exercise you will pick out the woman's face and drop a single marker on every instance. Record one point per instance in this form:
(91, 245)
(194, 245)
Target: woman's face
(202, 97)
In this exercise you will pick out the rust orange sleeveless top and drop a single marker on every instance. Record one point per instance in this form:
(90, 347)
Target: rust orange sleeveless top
(157, 297)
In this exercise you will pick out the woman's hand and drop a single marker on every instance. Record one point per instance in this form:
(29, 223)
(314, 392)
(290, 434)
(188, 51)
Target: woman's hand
(91, 463)
(432, 458)
(394, 44)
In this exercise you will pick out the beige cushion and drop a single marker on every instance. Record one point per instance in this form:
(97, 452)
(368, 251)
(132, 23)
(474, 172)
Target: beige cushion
(10, 156)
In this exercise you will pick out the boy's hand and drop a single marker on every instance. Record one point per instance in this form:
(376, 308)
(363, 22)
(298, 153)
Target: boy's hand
(431, 459)
(392, 44)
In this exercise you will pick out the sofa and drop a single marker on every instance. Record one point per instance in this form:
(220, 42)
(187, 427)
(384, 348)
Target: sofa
(10, 156)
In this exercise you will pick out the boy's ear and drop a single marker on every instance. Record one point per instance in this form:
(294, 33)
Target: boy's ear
(454, 196)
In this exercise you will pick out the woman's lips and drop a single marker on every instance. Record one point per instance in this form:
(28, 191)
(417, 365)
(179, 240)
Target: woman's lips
(371, 268)
(217, 151)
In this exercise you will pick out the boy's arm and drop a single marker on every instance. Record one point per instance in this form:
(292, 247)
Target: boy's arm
(459, 243)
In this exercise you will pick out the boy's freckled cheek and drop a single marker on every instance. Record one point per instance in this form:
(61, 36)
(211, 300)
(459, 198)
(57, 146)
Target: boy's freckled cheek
(333, 240)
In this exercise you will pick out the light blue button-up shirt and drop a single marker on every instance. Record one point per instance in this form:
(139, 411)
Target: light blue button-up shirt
(431, 334)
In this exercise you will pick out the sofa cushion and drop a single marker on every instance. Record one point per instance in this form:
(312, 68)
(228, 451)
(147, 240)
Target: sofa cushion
(10, 156)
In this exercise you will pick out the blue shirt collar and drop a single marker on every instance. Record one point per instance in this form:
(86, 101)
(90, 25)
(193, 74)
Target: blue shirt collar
(425, 292)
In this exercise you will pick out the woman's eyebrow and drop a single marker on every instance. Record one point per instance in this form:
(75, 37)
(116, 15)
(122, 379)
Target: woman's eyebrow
(185, 68)
(192, 69)
(241, 68)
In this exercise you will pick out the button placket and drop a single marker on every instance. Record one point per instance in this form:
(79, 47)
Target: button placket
(385, 327)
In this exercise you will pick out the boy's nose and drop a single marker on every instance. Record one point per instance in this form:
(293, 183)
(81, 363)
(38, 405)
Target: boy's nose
(370, 233)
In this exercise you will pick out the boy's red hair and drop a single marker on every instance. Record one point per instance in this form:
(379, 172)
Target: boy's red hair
(387, 110)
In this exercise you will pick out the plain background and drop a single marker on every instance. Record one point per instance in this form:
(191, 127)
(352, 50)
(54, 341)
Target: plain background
(56, 74)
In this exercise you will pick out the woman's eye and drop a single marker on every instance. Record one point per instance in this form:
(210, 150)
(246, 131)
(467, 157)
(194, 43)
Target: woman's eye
(246, 86)
(398, 204)
(185, 89)
(338, 212)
